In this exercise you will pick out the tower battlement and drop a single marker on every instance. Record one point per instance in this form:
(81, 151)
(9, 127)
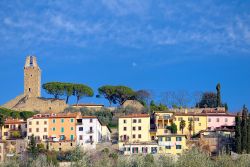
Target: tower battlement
(32, 77)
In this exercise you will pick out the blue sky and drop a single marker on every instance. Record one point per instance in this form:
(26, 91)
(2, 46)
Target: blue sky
(159, 45)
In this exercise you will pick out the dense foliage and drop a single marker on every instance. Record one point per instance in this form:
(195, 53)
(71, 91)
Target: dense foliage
(5, 113)
(108, 158)
(58, 89)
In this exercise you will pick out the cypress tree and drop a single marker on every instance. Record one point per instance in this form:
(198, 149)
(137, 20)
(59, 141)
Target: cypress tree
(244, 130)
(238, 134)
(218, 99)
(248, 134)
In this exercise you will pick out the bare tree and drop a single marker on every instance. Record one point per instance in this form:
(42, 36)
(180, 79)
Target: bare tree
(178, 98)
(196, 97)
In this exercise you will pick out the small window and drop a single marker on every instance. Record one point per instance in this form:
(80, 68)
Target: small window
(190, 118)
(62, 129)
(37, 129)
(168, 138)
(91, 120)
(54, 121)
(72, 128)
(199, 124)
(168, 147)
(80, 137)
(124, 121)
(218, 120)
(226, 120)
(45, 122)
(71, 120)
(54, 129)
(30, 130)
(29, 89)
(178, 147)
(139, 136)
(125, 128)
(134, 121)
(62, 120)
(139, 128)
(139, 120)
(30, 123)
(37, 122)
(160, 138)
(180, 119)
(45, 129)
(134, 128)
(209, 119)
(133, 136)
(178, 138)
(80, 128)
(197, 119)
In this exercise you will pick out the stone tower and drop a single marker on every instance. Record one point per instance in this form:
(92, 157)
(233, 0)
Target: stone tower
(32, 77)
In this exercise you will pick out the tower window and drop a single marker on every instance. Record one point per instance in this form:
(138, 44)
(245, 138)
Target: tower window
(29, 89)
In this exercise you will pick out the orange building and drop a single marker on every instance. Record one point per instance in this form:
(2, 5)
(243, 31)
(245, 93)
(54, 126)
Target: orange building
(62, 126)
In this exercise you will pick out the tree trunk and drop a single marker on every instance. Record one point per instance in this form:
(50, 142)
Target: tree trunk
(67, 99)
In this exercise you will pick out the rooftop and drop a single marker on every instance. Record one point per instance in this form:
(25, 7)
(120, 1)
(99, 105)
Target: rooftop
(135, 116)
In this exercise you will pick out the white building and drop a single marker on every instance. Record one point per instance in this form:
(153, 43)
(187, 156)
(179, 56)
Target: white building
(88, 132)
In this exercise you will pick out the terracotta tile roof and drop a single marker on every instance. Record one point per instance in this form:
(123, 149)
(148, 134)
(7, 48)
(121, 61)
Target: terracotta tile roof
(135, 116)
(85, 116)
(14, 121)
(59, 115)
(204, 114)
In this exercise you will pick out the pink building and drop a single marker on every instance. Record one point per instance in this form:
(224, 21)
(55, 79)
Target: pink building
(216, 120)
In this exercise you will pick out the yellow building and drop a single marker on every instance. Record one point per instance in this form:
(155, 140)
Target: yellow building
(198, 122)
(134, 128)
(38, 125)
(171, 144)
(162, 121)
(14, 128)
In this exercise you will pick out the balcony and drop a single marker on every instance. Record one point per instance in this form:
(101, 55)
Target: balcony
(90, 132)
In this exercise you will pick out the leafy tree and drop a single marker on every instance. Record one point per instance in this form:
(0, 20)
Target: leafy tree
(32, 148)
(108, 92)
(190, 126)
(155, 107)
(68, 90)
(1, 121)
(123, 93)
(244, 129)
(208, 99)
(218, 95)
(16, 134)
(143, 96)
(238, 134)
(248, 134)
(26, 114)
(81, 90)
(54, 88)
(182, 125)
(15, 114)
(173, 128)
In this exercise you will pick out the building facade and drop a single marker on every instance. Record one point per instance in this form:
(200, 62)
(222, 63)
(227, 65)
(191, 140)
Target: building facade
(14, 129)
(88, 131)
(134, 128)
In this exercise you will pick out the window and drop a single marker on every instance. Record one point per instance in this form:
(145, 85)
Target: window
(139, 136)
(62, 137)
(45, 122)
(62, 120)
(178, 139)
(178, 147)
(62, 129)
(180, 118)
(160, 138)
(168, 147)
(199, 124)
(72, 128)
(125, 128)
(197, 119)
(139, 128)
(139, 120)
(80, 137)
(37, 129)
(80, 128)
(134, 128)
(168, 138)
(45, 129)
(190, 118)
(209, 119)
(128, 149)
(91, 120)
(71, 137)
(45, 137)
(134, 121)
(54, 129)
(71, 120)
(30, 130)
(226, 119)
(217, 119)
(37, 122)
(30, 123)
(133, 136)
(54, 121)
(124, 121)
